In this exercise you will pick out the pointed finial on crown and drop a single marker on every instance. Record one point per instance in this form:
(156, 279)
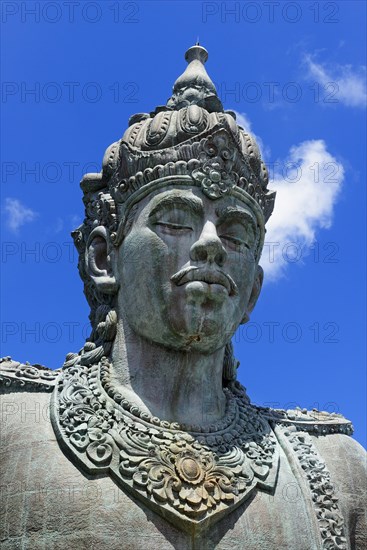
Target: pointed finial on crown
(199, 53)
(194, 86)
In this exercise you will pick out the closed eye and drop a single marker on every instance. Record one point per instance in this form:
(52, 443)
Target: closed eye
(174, 226)
(235, 240)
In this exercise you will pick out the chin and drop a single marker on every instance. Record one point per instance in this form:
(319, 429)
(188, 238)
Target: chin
(201, 330)
(203, 344)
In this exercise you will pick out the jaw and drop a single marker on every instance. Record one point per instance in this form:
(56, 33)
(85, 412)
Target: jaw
(204, 325)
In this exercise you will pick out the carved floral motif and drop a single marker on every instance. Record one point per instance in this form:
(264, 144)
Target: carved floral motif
(192, 475)
(216, 176)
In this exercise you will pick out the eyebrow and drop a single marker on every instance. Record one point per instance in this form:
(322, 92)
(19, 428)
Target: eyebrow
(237, 212)
(189, 203)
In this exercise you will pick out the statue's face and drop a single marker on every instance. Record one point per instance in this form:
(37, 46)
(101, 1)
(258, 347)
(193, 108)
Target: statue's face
(186, 269)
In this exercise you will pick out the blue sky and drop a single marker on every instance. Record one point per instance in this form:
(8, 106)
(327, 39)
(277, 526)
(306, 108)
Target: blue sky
(73, 73)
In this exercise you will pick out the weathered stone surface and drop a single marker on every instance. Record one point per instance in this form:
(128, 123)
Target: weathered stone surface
(148, 440)
(52, 503)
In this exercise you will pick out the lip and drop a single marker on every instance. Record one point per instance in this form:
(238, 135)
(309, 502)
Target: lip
(210, 276)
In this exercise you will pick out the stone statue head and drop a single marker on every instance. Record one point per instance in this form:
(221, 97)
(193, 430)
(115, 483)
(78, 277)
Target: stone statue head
(174, 225)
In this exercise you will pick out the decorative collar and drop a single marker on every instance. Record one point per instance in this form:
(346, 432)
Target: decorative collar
(191, 477)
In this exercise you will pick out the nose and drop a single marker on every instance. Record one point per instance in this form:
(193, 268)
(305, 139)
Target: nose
(209, 247)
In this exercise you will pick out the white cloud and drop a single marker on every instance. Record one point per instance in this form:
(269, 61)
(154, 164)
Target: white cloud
(243, 120)
(307, 184)
(340, 83)
(17, 214)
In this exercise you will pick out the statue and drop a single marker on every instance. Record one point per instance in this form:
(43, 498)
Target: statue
(149, 415)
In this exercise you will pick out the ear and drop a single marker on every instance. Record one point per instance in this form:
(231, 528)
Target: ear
(255, 293)
(98, 261)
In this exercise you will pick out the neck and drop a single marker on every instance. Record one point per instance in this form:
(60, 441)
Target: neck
(174, 385)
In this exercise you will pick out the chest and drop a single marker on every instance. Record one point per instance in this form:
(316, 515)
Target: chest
(52, 504)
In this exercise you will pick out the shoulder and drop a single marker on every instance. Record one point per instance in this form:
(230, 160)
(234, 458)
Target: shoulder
(334, 464)
(314, 422)
(23, 377)
(25, 399)
(329, 434)
(25, 392)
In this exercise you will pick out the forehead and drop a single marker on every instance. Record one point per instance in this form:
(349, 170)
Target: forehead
(194, 200)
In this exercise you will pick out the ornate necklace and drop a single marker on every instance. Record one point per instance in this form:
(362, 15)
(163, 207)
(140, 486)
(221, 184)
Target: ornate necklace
(189, 474)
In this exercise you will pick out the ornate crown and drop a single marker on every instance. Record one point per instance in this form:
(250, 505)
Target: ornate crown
(189, 141)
